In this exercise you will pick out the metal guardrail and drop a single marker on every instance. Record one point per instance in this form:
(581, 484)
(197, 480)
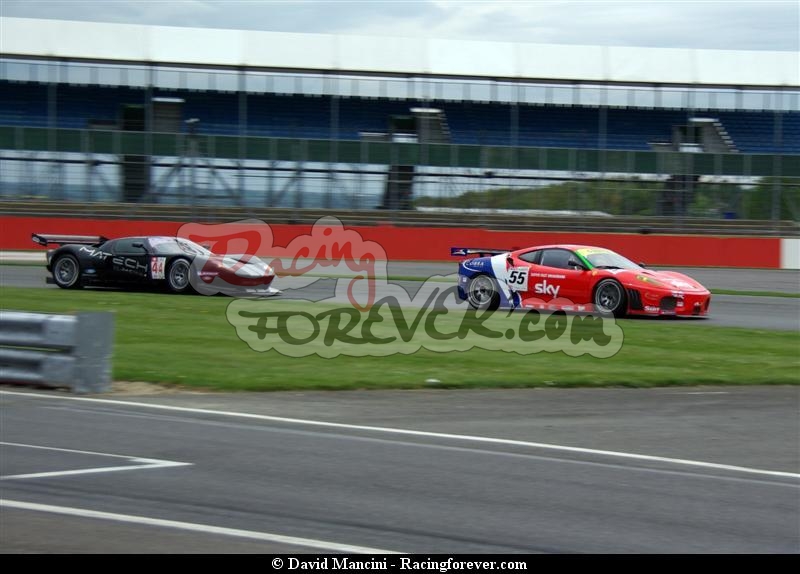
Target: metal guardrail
(71, 351)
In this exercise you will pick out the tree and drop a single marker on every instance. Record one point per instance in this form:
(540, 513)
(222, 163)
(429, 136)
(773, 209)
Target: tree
(758, 202)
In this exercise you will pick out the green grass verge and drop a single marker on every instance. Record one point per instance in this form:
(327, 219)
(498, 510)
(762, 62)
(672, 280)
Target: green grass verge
(755, 293)
(187, 340)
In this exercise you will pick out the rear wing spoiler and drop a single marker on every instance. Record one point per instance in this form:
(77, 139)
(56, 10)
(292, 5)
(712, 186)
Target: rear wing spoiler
(45, 239)
(466, 251)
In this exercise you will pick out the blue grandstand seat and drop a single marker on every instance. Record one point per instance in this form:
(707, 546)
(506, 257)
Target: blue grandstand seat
(292, 116)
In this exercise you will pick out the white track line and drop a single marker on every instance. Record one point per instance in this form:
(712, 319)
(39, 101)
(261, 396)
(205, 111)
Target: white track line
(396, 441)
(409, 432)
(89, 452)
(96, 470)
(203, 528)
(142, 463)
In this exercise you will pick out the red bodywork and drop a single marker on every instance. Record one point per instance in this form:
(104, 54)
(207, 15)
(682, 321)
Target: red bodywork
(215, 267)
(646, 291)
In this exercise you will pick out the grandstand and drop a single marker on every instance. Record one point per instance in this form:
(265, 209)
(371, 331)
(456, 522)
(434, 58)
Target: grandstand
(471, 123)
(366, 125)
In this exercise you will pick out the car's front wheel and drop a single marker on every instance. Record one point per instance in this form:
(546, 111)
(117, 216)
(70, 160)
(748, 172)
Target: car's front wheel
(609, 298)
(67, 272)
(482, 293)
(179, 276)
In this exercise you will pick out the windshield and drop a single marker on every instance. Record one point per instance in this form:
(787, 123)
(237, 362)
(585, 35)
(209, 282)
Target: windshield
(171, 245)
(192, 247)
(605, 259)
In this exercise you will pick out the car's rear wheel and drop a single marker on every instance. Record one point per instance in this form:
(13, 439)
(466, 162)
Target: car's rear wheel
(609, 298)
(482, 293)
(179, 276)
(67, 272)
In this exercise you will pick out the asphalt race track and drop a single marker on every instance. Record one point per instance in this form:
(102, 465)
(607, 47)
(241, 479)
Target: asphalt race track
(706, 470)
(665, 470)
(726, 310)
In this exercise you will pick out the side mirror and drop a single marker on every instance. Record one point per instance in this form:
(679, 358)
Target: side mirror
(138, 244)
(642, 265)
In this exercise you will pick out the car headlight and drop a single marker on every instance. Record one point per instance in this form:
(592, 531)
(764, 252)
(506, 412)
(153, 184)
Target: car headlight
(249, 271)
(650, 281)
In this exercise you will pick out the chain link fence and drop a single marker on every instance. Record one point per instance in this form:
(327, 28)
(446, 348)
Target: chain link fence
(229, 171)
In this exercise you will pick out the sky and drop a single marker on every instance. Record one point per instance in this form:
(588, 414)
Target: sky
(703, 24)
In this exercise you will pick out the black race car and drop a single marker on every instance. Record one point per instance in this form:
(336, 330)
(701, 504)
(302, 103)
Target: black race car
(174, 262)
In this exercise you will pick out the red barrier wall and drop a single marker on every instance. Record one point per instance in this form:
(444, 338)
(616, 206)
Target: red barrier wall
(433, 244)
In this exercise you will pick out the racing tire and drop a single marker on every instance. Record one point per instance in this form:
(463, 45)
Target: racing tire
(67, 272)
(179, 276)
(610, 298)
(483, 293)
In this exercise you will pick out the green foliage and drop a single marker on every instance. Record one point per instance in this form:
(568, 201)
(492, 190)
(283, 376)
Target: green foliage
(758, 202)
(632, 197)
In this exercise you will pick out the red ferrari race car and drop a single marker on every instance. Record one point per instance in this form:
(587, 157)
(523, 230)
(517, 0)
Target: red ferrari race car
(574, 278)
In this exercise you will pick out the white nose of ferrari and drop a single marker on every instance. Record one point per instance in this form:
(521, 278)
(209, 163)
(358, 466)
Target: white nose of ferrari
(253, 268)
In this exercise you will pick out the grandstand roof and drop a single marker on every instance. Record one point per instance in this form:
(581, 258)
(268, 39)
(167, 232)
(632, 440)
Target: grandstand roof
(203, 47)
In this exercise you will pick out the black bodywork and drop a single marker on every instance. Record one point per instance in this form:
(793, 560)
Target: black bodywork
(127, 261)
